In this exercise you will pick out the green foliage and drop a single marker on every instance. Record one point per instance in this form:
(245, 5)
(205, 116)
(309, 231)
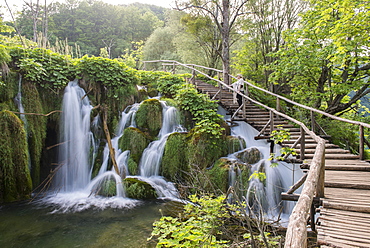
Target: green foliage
(43, 67)
(272, 241)
(170, 84)
(109, 72)
(150, 77)
(149, 117)
(92, 25)
(326, 58)
(197, 226)
(280, 135)
(15, 179)
(261, 176)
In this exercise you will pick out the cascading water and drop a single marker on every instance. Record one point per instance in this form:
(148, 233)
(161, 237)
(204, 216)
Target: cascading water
(75, 189)
(264, 195)
(18, 102)
(150, 161)
(74, 172)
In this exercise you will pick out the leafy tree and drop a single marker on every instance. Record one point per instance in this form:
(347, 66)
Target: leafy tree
(92, 25)
(327, 57)
(225, 15)
(263, 28)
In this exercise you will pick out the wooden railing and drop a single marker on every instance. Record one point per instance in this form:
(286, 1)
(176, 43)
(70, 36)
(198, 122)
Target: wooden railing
(193, 69)
(296, 235)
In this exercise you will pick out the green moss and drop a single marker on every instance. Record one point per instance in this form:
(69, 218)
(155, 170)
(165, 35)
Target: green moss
(135, 141)
(219, 176)
(203, 152)
(149, 117)
(137, 189)
(107, 188)
(133, 167)
(16, 183)
(9, 87)
(98, 160)
(175, 162)
(36, 128)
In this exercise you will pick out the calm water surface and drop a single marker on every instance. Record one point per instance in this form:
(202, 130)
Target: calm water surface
(29, 225)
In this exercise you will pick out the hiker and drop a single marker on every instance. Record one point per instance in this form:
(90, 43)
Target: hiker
(239, 88)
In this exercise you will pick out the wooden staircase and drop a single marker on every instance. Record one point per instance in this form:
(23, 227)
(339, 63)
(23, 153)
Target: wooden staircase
(344, 219)
(258, 117)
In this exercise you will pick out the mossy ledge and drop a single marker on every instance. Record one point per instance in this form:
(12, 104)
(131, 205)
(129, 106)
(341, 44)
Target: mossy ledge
(15, 178)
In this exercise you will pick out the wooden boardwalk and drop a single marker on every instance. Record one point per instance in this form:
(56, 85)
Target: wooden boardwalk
(344, 215)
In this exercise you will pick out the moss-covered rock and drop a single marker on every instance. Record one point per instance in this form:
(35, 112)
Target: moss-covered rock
(137, 189)
(250, 155)
(133, 167)
(175, 162)
(36, 128)
(149, 117)
(234, 144)
(135, 141)
(219, 176)
(204, 150)
(15, 179)
(107, 188)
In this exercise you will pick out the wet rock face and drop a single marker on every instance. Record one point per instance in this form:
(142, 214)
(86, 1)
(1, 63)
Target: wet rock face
(249, 155)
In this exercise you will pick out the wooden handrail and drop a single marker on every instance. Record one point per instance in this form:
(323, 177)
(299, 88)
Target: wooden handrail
(360, 124)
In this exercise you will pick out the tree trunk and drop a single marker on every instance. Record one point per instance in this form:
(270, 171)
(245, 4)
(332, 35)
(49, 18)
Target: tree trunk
(225, 32)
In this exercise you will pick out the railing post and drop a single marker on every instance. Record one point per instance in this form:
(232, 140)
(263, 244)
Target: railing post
(312, 121)
(303, 143)
(244, 107)
(173, 68)
(220, 88)
(271, 122)
(144, 66)
(278, 107)
(362, 143)
(193, 75)
(320, 189)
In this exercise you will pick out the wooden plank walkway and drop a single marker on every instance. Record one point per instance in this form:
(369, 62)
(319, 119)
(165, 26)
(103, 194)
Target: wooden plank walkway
(344, 217)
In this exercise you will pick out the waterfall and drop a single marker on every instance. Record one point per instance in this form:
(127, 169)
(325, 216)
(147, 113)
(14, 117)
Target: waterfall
(265, 196)
(77, 151)
(151, 159)
(75, 140)
(18, 102)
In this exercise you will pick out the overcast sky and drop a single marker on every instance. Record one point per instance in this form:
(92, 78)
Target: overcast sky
(17, 4)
